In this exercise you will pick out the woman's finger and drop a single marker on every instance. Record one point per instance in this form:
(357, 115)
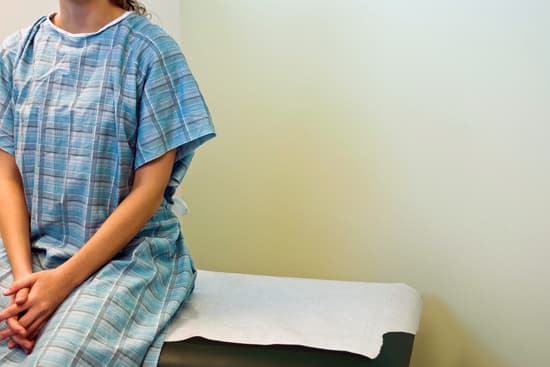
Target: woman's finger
(5, 333)
(21, 296)
(23, 343)
(16, 327)
(33, 314)
(33, 328)
(19, 284)
(13, 310)
(36, 329)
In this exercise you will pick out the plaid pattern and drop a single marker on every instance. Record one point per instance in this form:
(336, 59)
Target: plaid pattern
(80, 113)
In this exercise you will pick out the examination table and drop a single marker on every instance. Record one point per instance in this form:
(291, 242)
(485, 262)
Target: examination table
(242, 320)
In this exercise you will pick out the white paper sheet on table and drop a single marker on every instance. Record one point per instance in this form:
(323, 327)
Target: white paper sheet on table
(327, 314)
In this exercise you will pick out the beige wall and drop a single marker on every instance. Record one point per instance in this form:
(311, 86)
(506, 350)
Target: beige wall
(384, 141)
(19, 14)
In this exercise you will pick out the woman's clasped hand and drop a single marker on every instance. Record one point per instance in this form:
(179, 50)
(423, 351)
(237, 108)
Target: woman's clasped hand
(34, 298)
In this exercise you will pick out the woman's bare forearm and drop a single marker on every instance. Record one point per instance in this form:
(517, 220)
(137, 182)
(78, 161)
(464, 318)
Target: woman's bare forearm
(124, 223)
(14, 217)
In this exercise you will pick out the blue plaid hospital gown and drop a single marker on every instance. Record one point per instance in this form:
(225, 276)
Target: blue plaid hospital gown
(81, 112)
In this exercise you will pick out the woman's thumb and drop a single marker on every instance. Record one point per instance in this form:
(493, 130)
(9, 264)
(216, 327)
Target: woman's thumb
(18, 285)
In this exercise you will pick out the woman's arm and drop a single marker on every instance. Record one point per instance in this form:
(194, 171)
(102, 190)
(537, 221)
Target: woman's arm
(124, 223)
(49, 288)
(14, 229)
(14, 217)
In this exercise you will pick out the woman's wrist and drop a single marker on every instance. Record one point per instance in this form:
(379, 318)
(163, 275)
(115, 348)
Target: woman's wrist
(21, 271)
(72, 273)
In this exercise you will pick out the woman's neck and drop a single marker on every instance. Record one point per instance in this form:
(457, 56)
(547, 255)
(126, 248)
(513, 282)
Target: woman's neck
(85, 16)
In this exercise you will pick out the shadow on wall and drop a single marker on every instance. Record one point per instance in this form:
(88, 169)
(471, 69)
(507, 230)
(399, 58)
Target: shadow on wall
(442, 341)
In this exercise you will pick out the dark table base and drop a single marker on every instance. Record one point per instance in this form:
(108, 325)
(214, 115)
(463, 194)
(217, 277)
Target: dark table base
(199, 352)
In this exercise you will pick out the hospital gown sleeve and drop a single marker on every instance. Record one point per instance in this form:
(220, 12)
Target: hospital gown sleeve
(6, 104)
(172, 113)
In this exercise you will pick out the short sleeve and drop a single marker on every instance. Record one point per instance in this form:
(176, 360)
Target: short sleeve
(6, 104)
(172, 113)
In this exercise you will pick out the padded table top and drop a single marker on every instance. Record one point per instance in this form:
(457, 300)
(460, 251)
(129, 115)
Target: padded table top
(323, 314)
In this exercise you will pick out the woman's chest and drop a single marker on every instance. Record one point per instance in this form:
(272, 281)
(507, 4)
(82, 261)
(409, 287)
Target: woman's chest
(88, 90)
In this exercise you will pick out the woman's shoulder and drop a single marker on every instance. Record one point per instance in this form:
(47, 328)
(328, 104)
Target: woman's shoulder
(151, 38)
(14, 41)
(11, 46)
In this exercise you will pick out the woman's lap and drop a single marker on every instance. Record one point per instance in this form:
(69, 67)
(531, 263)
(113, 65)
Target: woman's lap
(111, 319)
